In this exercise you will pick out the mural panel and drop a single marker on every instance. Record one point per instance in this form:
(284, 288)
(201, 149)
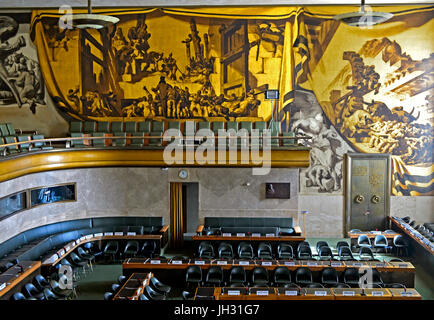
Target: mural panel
(353, 89)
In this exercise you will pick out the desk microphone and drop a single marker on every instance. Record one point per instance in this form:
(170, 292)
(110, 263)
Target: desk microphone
(405, 288)
(21, 268)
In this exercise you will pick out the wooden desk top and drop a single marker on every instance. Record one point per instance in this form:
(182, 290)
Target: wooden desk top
(378, 294)
(407, 294)
(247, 238)
(157, 264)
(133, 287)
(348, 294)
(13, 275)
(407, 232)
(71, 246)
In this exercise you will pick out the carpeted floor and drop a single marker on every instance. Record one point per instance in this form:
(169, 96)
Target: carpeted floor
(93, 285)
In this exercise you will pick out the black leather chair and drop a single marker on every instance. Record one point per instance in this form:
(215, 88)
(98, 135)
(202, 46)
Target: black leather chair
(260, 277)
(111, 249)
(187, 295)
(245, 251)
(159, 287)
(237, 276)
(285, 251)
(143, 297)
(302, 244)
(364, 241)
(193, 275)
(365, 253)
(131, 248)
(122, 279)
(40, 282)
(282, 276)
(303, 276)
(265, 251)
(351, 277)
(376, 279)
(214, 277)
(320, 244)
(314, 285)
(341, 244)
(225, 251)
(108, 296)
(345, 253)
(148, 249)
(115, 287)
(400, 244)
(206, 250)
(151, 294)
(65, 292)
(77, 262)
(325, 253)
(380, 242)
(50, 295)
(86, 256)
(329, 277)
(30, 290)
(18, 296)
(304, 252)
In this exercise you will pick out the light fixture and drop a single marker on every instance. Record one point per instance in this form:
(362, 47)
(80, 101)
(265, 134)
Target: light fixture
(363, 18)
(92, 21)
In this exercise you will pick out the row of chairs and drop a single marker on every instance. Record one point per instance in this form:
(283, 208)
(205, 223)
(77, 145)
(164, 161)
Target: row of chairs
(131, 249)
(29, 144)
(260, 276)
(381, 242)
(156, 290)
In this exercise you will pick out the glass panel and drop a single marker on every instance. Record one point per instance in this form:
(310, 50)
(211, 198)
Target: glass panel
(12, 204)
(52, 194)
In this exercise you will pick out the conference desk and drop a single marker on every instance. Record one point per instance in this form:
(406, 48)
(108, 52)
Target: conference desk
(411, 235)
(243, 293)
(13, 279)
(133, 287)
(174, 270)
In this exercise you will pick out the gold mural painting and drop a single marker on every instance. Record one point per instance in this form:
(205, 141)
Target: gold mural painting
(374, 85)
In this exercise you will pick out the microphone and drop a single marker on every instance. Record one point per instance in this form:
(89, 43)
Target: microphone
(21, 268)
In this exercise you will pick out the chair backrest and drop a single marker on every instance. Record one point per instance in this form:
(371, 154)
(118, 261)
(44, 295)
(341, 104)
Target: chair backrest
(237, 274)
(380, 239)
(103, 126)
(259, 273)
(4, 130)
(130, 126)
(325, 252)
(282, 273)
(218, 125)
(38, 144)
(320, 244)
(341, 244)
(194, 272)
(345, 252)
(76, 126)
(303, 273)
(157, 126)
(117, 126)
(204, 125)
(120, 142)
(329, 274)
(363, 239)
(18, 296)
(145, 126)
(89, 127)
(260, 125)
(232, 125)
(215, 272)
(10, 128)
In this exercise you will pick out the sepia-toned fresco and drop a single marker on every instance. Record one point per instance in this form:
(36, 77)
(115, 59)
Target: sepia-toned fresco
(352, 89)
(20, 76)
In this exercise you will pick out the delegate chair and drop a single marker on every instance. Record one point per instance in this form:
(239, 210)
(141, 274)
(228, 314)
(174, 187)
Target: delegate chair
(103, 127)
(285, 251)
(76, 261)
(108, 296)
(260, 277)
(304, 252)
(86, 256)
(111, 249)
(265, 251)
(216, 127)
(225, 251)
(122, 279)
(121, 141)
(151, 294)
(138, 142)
(40, 282)
(63, 292)
(115, 287)
(117, 126)
(364, 241)
(131, 248)
(24, 147)
(400, 244)
(237, 277)
(131, 127)
(303, 276)
(193, 275)
(214, 277)
(320, 244)
(19, 296)
(325, 253)
(148, 248)
(380, 242)
(11, 149)
(329, 277)
(245, 250)
(40, 145)
(30, 290)
(99, 143)
(159, 287)
(78, 143)
(75, 127)
(351, 277)
(145, 126)
(365, 253)
(345, 253)
(341, 244)
(206, 250)
(157, 131)
(282, 276)
(89, 127)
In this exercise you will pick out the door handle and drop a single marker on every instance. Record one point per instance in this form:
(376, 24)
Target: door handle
(375, 199)
(359, 198)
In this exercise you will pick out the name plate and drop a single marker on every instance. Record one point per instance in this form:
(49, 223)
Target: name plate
(357, 264)
(262, 292)
(108, 233)
(244, 263)
(376, 232)
(90, 236)
(200, 262)
(176, 262)
(291, 293)
(119, 233)
(377, 293)
(62, 252)
(270, 235)
(78, 241)
(267, 263)
(67, 248)
(51, 259)
(222, 262)
(256, 234)
(403, 265)
(348, 293)
(2, 286)
(241, 234)
(335, 264)
(227, 234)
(131, 233)
(82, 238)
(406, 293)
(379, 265)
(289, 263)
(155, 261)
(320, 293)
(233, 292)
(311, 264)
(100, 234)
